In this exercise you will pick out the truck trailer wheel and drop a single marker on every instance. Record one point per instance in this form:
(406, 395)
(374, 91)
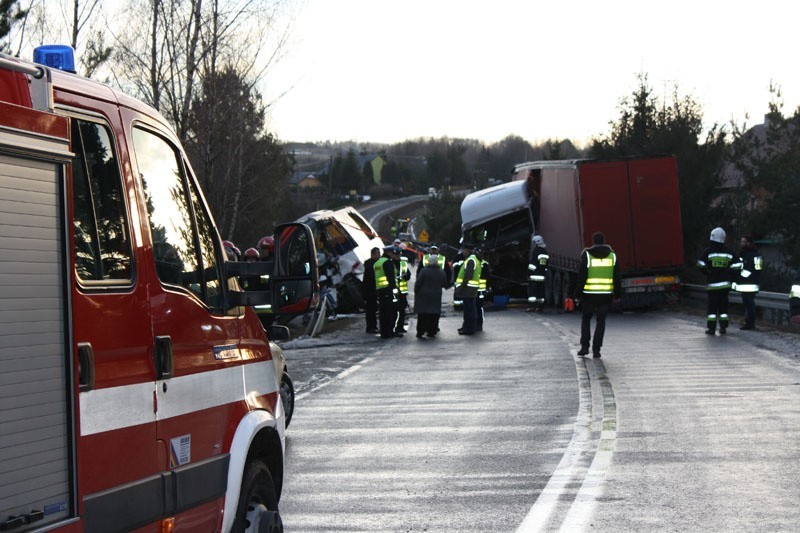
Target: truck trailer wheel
(258, 504)
(558, 299)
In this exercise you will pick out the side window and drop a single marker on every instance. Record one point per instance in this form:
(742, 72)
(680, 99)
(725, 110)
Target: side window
(182, 257)
(207, 236)
(362, 225)
(102, 239)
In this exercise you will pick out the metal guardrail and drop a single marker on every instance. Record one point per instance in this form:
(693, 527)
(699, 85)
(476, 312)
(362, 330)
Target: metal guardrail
(773, 306)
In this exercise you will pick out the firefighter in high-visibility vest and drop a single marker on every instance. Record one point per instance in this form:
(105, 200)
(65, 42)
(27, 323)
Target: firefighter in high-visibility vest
(599, 284)
(433, 254)
(720, 267)
(467, 284)
(749, 278)
(794, 302)
(537, 271)
(457, 303)
(403, 275)
(370, 292)
(483, 288)
(386, 288)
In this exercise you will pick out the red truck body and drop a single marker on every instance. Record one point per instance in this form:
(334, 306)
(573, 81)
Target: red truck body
(634, 202)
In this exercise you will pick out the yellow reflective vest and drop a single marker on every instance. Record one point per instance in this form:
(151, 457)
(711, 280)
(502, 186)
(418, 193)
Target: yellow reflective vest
(600, 278)
(381, 281)
(475, 281)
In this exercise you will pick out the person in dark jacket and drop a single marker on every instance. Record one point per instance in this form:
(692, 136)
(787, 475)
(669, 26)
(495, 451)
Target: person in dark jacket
(598, 281)
(386, 289)
(428, 286)
(370, 294)
(794, 301)
(749, 279)
(720, 267)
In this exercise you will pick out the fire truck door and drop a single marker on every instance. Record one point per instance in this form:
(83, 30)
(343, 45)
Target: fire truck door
(196, 341)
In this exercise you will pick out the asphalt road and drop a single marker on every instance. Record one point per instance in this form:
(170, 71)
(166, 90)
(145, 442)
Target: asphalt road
(509, 431)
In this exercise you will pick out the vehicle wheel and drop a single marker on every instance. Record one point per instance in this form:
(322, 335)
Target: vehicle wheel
(287, 396)
(258, 504)
(558, 297)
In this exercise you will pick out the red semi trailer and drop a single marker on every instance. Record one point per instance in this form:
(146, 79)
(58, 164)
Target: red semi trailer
(634, 202)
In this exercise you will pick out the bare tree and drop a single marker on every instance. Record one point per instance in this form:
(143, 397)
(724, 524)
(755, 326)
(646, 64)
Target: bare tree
(182, 41)
(65, 21)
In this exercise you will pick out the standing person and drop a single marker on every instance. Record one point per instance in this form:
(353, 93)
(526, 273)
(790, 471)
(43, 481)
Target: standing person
(370, 294)
(794, 301)
(431, 256)
(537, 271)
(456, 268)
(428, 286)
(466, 291)
(386, 289)
(718, 265)
(599, 281)
(749, 278)
(403, 275)
(483, 288)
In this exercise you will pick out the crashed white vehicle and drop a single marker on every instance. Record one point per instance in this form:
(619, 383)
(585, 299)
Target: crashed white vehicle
(346, 238)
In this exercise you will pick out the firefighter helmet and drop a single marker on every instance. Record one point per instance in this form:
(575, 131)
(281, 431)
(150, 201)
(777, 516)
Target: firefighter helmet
(231, 251)
(718, 235)
(267, 243)
(538, 240)
(251, 253)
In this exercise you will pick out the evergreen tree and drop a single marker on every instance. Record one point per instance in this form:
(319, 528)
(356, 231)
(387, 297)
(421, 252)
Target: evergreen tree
(649, 127)
(10, 14)
(768, 158)
(242, 169)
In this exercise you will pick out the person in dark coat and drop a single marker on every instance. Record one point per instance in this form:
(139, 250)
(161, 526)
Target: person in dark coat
(749, 279)
(370, 293)
(430, 282)
(386, 288)
(794, 301)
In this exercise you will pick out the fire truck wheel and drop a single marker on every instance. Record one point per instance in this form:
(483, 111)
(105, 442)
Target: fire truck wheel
(287, 396)
(258, 505)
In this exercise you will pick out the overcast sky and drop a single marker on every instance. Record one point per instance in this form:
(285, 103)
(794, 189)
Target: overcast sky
(386, 71)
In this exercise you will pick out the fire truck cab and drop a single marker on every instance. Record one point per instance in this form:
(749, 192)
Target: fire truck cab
(137, 386)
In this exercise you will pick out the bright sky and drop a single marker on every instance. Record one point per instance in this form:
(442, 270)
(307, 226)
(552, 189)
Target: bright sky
(387, 71)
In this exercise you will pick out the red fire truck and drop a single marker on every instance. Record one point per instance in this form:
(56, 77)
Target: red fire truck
(137, 386)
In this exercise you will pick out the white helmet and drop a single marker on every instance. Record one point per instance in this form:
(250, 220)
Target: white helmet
(718, 235)
(538, 240)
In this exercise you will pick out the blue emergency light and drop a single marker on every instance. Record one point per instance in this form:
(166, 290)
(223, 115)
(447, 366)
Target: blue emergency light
(57, 56)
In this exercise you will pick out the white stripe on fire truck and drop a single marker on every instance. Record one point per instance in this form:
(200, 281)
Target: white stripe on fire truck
(131, 405)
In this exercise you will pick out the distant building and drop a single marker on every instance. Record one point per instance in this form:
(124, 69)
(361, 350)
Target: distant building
(305, 180)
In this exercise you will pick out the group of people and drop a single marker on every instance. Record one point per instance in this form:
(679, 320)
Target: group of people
(386, 291)
(725, 272)
(386, 285)
(263, 251)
